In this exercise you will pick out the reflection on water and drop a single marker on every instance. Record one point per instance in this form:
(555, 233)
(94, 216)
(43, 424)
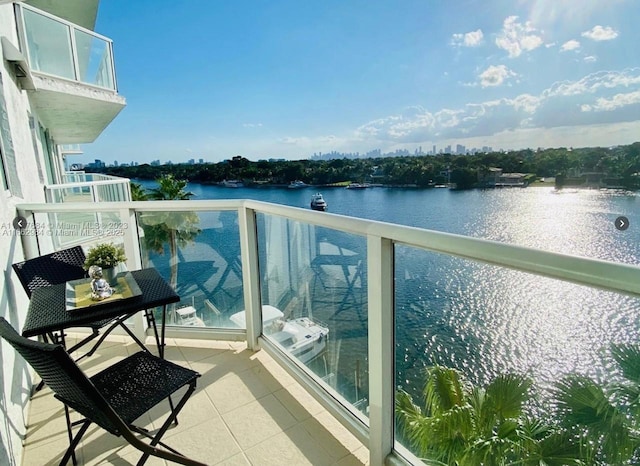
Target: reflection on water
(485, 320)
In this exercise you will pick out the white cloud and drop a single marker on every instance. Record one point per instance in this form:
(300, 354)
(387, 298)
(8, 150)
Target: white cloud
(294, 141)
(617, 101)
(517, 37)
(469, 39)
(603, 98)
(570, 45)
(526, 102)
(595, 82)
(252, 125)
(590, 59)
(600, 33)
(495, 76)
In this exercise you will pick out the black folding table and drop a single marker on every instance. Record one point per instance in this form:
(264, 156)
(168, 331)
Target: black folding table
(48, 312)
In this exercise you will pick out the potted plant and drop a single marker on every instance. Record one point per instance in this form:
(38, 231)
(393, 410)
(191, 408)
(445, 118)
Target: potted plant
(107, 256)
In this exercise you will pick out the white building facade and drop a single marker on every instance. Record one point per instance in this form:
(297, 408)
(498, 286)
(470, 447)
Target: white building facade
(57, 87)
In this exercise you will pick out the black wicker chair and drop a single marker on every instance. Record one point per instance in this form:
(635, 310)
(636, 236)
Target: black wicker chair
(113, 398)
(54, 269)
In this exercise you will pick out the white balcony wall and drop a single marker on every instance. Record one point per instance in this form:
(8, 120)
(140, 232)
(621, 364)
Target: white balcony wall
(24, 127)
(29, 152)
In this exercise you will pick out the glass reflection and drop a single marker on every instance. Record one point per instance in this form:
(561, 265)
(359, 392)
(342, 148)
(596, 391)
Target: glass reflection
(314, 295)
(467, 332)
(199, 254)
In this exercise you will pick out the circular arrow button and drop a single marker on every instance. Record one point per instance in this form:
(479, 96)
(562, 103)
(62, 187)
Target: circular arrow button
(19, 223)
(622, 223)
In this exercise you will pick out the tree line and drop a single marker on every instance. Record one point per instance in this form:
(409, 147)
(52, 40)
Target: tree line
(621, 163)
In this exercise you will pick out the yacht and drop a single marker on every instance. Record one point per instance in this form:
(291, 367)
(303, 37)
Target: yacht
(297, 184)
(232, 183)
(358, 186)
(302, 337)
(318, 202)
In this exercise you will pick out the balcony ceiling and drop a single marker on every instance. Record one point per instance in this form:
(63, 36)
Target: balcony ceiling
(74, 113)
(80, 12)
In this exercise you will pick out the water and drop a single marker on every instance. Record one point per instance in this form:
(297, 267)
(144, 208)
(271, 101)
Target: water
(577, 222)
(484, 319)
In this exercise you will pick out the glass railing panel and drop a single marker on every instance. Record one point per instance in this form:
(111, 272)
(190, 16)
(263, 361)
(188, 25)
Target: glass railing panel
(49, 45)
(314, 297)
(94, 60)
(75, 177)
(198, 253)
(65, 229)
(71, 148)
(492, 362)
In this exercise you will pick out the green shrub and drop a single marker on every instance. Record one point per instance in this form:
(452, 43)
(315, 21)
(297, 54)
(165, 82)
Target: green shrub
(105, 255)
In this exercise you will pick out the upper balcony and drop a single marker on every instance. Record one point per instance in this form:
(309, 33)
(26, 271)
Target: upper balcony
(79, 186)
(72, 71)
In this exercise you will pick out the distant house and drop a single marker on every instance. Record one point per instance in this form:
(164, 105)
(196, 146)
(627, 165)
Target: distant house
(495, 178)
(489, 178)
(595, 180)
(511, 179)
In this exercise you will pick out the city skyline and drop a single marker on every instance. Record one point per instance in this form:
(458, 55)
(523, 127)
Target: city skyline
(287, 80)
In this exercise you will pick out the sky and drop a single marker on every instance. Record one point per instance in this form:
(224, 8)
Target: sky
(212, 79)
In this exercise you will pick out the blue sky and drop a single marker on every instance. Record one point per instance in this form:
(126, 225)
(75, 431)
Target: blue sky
(288, 78)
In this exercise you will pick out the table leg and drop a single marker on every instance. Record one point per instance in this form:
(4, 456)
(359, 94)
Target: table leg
(161, 345)
(151, 322)
(164, 320)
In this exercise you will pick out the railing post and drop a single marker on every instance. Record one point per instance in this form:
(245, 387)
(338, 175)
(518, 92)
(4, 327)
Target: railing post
(250, 275)
(381, 337)
(131, 243)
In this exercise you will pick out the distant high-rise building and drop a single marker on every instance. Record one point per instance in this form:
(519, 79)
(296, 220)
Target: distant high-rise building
(447, 150)
(460, 149)
(434, 150)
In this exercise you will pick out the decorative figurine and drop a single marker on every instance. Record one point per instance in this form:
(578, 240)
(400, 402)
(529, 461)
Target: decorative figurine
(100, 288)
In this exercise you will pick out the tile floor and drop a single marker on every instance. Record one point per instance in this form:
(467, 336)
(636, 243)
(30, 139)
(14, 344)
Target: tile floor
(246, 411)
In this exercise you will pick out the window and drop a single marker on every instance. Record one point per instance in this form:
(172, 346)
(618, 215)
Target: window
(10, 177)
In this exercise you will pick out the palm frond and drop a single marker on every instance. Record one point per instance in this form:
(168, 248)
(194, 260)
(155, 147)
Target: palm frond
(443, 390)
(583, 403)
(507, 393)
(628, 358)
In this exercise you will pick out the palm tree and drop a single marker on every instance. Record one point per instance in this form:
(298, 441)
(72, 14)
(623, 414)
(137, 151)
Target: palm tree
(604, 421)
(138, 193)
(172, 228)
(460, 424)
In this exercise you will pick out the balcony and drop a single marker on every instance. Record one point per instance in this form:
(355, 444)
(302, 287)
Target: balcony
(394, 300)
(73, 74)
(246, 410)
(89, 187)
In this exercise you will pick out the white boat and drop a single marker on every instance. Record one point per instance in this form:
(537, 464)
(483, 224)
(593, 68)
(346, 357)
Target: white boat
(232, 183)
(358, 186)
(302, 337)
(318, 202)
(186, 317)
(297, 184)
